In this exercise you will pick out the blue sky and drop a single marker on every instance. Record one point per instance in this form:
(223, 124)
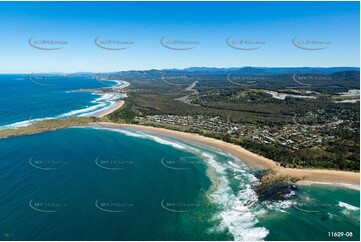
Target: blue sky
(275, 24)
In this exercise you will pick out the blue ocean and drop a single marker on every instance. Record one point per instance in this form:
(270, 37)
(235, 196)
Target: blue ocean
(30, 97)
(102, 183)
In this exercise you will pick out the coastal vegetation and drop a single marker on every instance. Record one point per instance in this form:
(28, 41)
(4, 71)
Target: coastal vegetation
(296, 125)
(46, 125)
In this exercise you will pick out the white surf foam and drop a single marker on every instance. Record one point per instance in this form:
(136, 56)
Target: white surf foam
(336, 184)
(240, 220)
(23, 123)
(81, 112)
(236, 216)
(348, 206)
(143, 135)
(103, 102)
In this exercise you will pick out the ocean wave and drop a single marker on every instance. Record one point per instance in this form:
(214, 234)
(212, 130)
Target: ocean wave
(349, 210)
(16, 125)
(234, 216)
(348, 206)
(336, 184)
(139, 134)
(81, 112)
(23, 123)
(103, 102)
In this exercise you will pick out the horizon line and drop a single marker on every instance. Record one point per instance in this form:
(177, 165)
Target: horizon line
(181, 69)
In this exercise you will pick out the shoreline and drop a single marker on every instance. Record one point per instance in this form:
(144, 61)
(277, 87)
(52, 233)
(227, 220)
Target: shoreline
(306, 176)
(324, 183)
(117, 103)
(109, 110)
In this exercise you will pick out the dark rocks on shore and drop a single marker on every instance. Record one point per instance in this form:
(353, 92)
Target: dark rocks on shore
(273, 187)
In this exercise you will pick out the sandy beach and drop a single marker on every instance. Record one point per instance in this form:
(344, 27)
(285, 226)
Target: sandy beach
(109, 110)
(331, 177)
(117, 103)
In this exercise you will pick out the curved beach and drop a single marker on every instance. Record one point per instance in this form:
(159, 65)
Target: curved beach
(109, 110)
(318, 176)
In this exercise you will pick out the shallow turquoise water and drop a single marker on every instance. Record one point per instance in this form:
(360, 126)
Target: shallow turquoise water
(23, 101)
(95, 184)
(316, 212)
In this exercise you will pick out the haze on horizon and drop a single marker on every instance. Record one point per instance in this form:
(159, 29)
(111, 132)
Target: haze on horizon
(208, 25)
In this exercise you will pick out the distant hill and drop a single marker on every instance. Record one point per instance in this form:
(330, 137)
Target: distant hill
(346, 77)
(247, 70)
